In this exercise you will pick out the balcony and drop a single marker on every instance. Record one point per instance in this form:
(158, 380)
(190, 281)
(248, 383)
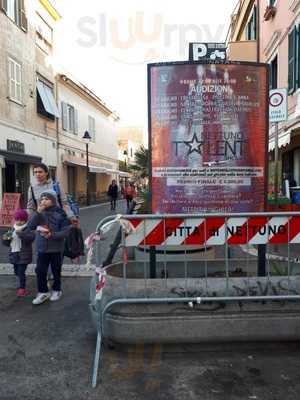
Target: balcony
(242, 51)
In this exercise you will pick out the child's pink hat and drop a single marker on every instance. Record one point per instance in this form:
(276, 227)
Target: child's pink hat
(21, 215)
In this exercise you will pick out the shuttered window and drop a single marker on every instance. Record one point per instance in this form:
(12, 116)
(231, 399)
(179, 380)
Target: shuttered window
(293, 61)
(92, 128)
(251, 26)
(15, 10)
(15, 83)
(273, 75)
(69, 118)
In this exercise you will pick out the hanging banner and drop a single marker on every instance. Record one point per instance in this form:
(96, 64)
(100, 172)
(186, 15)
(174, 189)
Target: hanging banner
(208, 137)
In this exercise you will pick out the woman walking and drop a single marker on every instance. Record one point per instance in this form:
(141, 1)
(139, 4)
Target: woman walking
(44, 183)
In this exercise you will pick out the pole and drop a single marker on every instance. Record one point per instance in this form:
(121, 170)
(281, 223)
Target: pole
(87, 176)
(276, 186)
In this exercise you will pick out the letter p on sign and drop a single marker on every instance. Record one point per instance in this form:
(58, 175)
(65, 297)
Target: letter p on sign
(199, 51)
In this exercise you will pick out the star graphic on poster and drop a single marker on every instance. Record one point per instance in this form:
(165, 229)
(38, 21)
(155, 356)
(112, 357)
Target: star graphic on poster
(194, 145)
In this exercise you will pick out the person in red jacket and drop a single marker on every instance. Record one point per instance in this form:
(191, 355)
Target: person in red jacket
(130, 193)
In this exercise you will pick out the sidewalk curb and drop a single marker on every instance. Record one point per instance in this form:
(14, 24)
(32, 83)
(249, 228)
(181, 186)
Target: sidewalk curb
(70, 270)
(97, 205)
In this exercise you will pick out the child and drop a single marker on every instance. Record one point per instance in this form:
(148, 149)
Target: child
(20, 253)
(52, 226)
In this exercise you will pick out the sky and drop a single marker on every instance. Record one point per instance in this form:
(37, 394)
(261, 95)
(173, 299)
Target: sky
(106, 45)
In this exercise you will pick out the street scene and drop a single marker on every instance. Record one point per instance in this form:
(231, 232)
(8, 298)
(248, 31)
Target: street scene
(149, 199)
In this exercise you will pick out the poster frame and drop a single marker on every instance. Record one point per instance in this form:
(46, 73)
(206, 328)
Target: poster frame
(208, 62)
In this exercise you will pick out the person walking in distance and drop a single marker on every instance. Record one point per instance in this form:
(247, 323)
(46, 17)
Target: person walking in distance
(52, 226)
(20, 248)
(113, 194)
(129, 194)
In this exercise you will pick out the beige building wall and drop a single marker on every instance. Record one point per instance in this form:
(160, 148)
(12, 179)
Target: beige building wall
(19, 120)
(239, 48)
(103, 148)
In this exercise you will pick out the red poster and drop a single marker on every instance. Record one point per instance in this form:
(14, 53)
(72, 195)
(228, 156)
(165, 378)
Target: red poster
(208, 137)
(11, 202)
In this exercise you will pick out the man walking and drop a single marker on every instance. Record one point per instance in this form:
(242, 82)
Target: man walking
(113, 194)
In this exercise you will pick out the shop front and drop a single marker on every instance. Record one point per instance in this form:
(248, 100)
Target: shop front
(73, 178)
(15, 169)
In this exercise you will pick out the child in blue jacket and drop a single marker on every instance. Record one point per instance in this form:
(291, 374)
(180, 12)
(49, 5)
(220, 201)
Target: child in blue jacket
(52, 226)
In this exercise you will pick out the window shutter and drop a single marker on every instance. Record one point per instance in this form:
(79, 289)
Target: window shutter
(64, 111)
(298, 58)
(23, 23)
(255, 23)
(75, 121)
(3, 5)
(292, 60)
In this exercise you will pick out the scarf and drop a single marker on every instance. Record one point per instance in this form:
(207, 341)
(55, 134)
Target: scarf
(16, 242)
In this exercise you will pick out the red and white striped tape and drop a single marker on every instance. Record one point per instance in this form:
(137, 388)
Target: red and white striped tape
(214, 231)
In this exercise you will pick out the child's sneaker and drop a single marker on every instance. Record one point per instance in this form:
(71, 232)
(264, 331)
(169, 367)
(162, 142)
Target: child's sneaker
(21, 292)
(40, 298)
(56, 295)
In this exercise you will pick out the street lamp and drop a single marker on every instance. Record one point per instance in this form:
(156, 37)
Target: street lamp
(86, 137)
(125, 157)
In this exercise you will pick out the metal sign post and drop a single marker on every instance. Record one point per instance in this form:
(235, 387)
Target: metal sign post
(277, 113)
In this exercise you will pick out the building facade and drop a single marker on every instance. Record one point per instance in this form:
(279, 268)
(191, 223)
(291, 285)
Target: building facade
(131, 138)
(272, 27)
(82, 111)
(43, 114)
(28, 111)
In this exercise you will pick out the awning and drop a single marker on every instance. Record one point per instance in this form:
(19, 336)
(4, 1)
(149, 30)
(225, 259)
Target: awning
(124, 174)
(110, 171)
(20, 157)
(95, 169)
(284, 139)
(47, 99)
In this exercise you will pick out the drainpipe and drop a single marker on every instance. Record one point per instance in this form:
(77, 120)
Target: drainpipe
(57, 128)
(258, 31)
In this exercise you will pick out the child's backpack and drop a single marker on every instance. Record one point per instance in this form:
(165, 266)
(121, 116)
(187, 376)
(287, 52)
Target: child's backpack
(71, 202)
(74, 245)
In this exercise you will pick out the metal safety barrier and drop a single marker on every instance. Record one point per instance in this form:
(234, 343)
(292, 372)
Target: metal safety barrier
(249, 245)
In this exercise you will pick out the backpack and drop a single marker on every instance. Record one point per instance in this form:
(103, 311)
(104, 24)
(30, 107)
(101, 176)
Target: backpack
(71, 202)
(74, 245)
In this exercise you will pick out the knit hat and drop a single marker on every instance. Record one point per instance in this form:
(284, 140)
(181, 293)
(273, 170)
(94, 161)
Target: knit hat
(50, 194)
(21, 215)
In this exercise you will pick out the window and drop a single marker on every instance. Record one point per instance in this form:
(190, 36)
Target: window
(69, 118)
(273, 73)
(15, 84)
(15, 10)
(44, 34)
(92, 128)
(294, 60)
(251, 26)
(272, 3)
(46, 104)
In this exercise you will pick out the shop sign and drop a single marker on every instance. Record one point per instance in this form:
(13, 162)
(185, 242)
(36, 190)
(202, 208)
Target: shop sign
(11, 202)
(15, 147)
(207, 52)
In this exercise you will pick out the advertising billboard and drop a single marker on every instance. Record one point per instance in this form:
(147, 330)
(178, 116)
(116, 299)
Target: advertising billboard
(208, 127)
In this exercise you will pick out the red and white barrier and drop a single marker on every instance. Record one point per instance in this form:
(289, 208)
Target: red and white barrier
(213, 231)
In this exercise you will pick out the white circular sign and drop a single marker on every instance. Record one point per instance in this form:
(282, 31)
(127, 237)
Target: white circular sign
(276, 99)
